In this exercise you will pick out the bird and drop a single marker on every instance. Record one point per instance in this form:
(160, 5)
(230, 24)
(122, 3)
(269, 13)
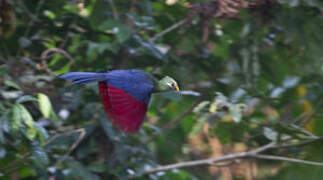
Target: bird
(125, 94)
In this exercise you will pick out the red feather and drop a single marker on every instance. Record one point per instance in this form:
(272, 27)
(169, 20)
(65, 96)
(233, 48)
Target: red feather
(127, 113)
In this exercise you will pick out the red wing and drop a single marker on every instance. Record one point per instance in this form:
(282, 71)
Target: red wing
(127, 113)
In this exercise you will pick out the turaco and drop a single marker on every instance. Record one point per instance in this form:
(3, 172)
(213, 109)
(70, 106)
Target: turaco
(125, 94)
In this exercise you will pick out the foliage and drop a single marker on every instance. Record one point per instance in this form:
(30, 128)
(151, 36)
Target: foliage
(250, 75)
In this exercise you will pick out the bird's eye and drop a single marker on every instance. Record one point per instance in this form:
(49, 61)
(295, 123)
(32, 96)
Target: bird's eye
(172, 84)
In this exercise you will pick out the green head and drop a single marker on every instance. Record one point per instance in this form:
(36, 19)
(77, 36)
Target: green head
(167, 84)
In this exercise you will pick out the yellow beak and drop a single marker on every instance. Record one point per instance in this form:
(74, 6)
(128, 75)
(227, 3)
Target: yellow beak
(177, 88)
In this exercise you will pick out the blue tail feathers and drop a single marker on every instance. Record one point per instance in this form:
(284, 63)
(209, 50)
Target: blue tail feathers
(84, 77)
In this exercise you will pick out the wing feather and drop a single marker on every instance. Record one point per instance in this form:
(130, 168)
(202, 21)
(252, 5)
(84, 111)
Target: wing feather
(126, 112)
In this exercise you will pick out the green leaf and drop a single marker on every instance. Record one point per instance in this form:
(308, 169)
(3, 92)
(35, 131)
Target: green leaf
(39, 156)
(42, 133)
(80, 171)
(26, 116)
(270, 134)
(31, 133)
(64, 69)
(71, 8)
(11, 84)
(25, 98)
(44, 105)
(201, 106)
(21, 114)
(16, 117)
(51, 15)
(236, 112)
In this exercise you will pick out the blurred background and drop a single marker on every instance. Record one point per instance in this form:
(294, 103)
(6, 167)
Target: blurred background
(250, 71)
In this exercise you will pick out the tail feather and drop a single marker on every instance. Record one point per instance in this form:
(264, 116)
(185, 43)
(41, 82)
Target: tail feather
(84, 77)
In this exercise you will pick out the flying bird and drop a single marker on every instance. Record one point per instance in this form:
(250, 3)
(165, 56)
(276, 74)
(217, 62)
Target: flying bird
(125, 94)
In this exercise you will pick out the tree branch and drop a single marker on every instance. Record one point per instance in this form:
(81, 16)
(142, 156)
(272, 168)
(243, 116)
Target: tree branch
(307, 141)
(280, 158)
(249, 154)
(212, 161)
(82, 132)
(169, 29)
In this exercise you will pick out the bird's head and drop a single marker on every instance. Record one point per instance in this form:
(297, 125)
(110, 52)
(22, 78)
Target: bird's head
(167, 84)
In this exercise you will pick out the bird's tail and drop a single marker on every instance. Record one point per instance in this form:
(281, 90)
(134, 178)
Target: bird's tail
(84, 77)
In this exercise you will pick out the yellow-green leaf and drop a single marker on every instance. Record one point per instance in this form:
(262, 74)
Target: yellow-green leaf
(44, 105)
(26, 116)
(21, 115)
(31, 133)
(16, 117)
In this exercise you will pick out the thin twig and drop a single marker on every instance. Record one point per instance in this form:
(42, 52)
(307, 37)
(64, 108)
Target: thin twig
(300, 143)
(309, 134)
(74, 145)
(280, 158)
(169, 29)
(44, 55)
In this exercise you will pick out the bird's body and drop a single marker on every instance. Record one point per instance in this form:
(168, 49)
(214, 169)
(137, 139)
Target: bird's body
(125, 94)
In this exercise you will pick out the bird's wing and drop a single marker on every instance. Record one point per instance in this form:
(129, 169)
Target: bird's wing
(124, 109)
(85, 77)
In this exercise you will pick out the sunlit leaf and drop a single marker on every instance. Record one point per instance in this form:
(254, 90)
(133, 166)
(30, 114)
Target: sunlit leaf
(31, 133)
(236, 112)
(44, 105)
(16, 117)
(51, 15)
(22, 115)
(270, 133)
(201, 106)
